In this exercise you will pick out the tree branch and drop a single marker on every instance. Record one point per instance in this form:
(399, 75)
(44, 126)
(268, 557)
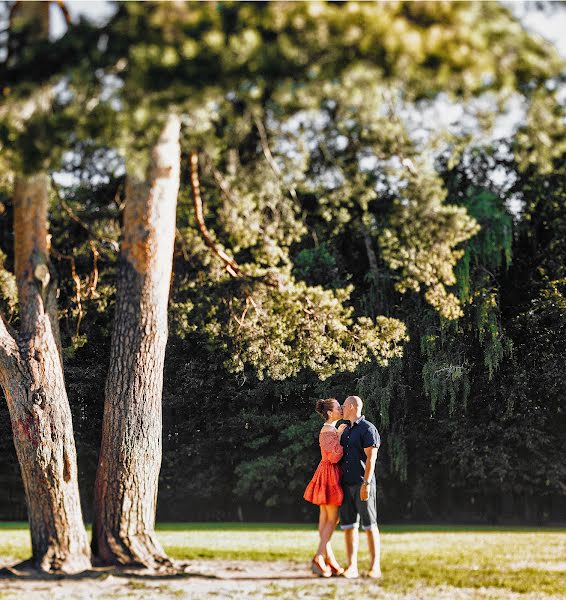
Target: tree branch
(93, 279)
(77, 282)
(64, 10)
(220, 181)
(370, 252)
(111, 242)
(268, 156)
(230, 264)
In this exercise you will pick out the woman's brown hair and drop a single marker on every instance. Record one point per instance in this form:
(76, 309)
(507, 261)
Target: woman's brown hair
(323, 406)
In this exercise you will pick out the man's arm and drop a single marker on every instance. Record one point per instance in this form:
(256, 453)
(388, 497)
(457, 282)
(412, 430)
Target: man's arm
(371, 457)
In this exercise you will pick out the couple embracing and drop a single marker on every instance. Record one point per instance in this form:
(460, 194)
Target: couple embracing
(343, 486)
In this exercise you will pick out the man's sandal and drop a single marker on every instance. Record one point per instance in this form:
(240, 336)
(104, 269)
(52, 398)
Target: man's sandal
(374, 574)
(350, 574)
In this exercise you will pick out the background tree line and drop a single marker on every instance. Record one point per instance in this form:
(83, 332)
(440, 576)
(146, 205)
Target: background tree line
(329, 240)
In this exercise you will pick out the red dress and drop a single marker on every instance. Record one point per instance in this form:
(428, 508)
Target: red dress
(324, 487)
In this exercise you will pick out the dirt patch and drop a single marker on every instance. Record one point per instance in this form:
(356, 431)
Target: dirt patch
(221, 580)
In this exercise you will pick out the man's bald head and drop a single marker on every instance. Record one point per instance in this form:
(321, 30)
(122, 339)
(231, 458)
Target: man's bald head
(355, 401)
(352, 408)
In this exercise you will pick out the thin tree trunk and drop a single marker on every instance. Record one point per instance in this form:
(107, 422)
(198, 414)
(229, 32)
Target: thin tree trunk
(130, 453)
(31, 375)
(372, 259)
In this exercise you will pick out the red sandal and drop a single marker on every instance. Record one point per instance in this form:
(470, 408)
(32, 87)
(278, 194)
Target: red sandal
(336, 571)
(316, 569)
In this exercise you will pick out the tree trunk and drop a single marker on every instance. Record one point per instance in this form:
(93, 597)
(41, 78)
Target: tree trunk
(33, 14)
(31, 375)
(130, 453)
(372, 259)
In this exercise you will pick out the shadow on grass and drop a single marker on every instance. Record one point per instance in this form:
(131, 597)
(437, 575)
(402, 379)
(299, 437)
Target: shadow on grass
(397, 577)
(26, 571)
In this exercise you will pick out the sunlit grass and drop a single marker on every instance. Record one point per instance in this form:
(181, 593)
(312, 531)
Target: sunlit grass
(514, 559)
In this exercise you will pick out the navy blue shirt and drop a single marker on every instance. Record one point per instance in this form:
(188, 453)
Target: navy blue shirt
(362, 434)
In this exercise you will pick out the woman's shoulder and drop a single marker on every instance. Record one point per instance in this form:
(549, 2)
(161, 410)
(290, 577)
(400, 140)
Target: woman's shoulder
(327, 430)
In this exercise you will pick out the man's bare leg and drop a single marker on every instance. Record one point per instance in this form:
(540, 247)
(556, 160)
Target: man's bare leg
(374, 548)
(352, 544)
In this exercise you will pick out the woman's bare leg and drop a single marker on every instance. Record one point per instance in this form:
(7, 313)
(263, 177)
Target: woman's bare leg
(330, 558)
(332, 513)
(321, 520)
(323, 540)
(322, 531)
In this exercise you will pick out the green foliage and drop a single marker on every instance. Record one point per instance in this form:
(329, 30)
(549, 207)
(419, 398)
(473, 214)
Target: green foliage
(385, 393)
(281, 330)
(444, 376)
(259, 219)
(360, 235)
(118, 80)
(541, 140)
(492, 245)
(286, 448)
(421, 242)
(488, 253)
(424, 44)
(317, 264)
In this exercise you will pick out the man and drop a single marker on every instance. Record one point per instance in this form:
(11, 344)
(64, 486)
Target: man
(361, 442)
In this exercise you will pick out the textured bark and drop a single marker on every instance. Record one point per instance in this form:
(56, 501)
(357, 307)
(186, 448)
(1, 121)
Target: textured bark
(33, 14)
(130, 454)
(31, 375)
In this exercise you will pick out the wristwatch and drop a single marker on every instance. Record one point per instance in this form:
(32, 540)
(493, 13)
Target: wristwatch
(366, 482)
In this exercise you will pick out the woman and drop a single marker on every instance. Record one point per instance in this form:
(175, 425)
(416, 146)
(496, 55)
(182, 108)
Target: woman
(324, 488)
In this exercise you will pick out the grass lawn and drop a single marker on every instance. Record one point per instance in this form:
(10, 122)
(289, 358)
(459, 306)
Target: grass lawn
(513, 559)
